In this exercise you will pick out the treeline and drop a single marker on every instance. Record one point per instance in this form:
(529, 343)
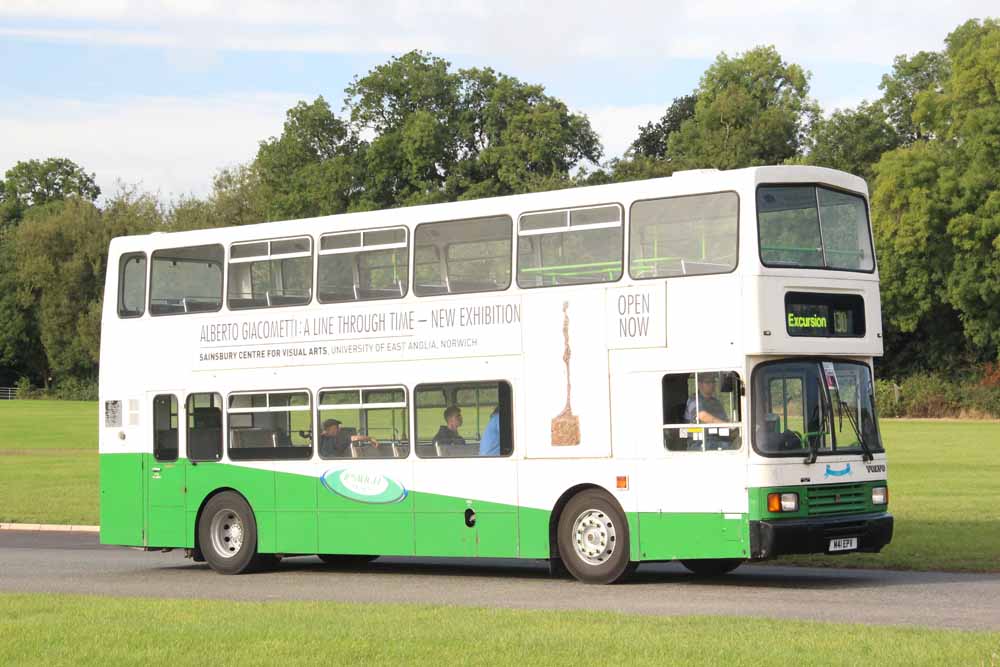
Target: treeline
(414, 130)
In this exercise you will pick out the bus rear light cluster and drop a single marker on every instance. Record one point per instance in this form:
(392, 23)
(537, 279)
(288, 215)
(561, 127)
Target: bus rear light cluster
(782, 502)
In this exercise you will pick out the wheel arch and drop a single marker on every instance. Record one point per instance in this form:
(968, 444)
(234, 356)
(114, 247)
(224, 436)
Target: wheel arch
(201, 508)
(560, 505)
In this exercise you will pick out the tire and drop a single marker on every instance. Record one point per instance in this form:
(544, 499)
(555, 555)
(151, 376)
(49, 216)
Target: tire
(593, 539)
(345, 560)
(227, 535)
(712, 567)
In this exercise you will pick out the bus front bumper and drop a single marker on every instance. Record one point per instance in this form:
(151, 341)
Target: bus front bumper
(770, 538)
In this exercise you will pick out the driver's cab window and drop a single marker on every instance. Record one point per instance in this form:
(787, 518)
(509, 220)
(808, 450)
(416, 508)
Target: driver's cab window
(701, 411)
(792, 417)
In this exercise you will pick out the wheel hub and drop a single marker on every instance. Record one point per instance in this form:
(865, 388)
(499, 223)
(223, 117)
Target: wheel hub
(594, 537)
(227, 533)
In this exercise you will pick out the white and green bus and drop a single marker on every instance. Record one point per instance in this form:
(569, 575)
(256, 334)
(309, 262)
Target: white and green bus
(671, 369)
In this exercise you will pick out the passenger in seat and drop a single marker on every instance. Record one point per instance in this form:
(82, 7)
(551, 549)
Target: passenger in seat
(335, 443)
(489, 445)
(448, 434)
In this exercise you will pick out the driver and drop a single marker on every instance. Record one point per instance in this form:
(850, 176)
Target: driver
(709, 408)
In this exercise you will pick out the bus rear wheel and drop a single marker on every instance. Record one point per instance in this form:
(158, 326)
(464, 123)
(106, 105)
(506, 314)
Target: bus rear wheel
(593, 539)
(712, 567)
(227, 535)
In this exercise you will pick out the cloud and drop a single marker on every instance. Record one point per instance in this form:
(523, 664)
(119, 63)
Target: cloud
(168, 144)
(869, 32)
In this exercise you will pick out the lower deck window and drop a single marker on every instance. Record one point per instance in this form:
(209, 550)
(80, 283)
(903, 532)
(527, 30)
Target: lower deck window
(204, 427)
(273, 425)
(456, 420)
(363, 423)
(701, 411)
(165, 427)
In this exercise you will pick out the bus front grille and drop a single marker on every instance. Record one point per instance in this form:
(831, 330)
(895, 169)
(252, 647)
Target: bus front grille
(836, 499)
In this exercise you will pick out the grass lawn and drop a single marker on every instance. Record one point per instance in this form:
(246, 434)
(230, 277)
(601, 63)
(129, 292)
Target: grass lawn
(91, 630)
(945, 497)
(942, 476)
(48, 462)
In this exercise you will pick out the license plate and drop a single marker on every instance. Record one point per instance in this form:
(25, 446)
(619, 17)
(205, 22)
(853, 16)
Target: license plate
(844, 544)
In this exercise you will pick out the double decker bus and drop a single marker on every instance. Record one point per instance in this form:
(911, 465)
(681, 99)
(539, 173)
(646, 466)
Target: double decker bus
(671, 369)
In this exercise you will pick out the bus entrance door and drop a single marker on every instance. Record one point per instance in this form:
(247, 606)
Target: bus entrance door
(165, 474)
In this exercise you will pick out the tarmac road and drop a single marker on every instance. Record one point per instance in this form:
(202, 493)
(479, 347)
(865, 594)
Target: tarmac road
(75, 563)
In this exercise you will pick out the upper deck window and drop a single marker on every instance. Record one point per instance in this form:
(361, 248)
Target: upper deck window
(684, 236)
(363, 265)
(265, 274)
(132, 285)
(570, 247)
(806, 226)
(462, 256)
(186, 280)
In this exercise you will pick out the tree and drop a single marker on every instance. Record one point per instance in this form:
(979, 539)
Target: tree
(61, 260)
(35, 183)
(653, 138)
(21, 353)
(751, 110)
(853, 140)
(238, 198)
(307, 171)
(936, 203)
(27, 187)
(925, 71)
(439, 135)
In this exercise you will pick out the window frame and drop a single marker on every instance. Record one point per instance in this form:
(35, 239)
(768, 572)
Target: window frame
(230, 261)
(819, 219)
(360, 249)
(222, 283)
(176, 415)
(123, 260)
(739, 220)
(268, 393)
(567, 228)
(362, 406)
(739, 392)
(476, 384)
(876, 448)
(189, 414)
(511, 269)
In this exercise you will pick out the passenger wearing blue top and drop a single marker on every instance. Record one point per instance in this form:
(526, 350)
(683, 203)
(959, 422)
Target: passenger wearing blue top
(489, 444)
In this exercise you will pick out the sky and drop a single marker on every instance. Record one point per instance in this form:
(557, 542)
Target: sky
(162, 94)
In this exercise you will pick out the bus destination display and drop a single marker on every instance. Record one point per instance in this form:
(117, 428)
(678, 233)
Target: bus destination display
(824, 315)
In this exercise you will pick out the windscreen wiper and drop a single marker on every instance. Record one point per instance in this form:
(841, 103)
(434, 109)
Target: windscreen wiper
(867, 456)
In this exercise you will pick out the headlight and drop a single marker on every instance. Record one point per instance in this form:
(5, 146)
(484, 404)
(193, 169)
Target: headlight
(782, 502)
(880, 495)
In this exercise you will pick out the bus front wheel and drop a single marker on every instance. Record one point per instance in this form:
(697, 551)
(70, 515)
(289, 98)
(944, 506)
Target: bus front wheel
(227, 535)
(593, 539)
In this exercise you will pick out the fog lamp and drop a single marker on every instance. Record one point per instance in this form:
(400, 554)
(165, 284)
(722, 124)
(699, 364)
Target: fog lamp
(789, 502)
